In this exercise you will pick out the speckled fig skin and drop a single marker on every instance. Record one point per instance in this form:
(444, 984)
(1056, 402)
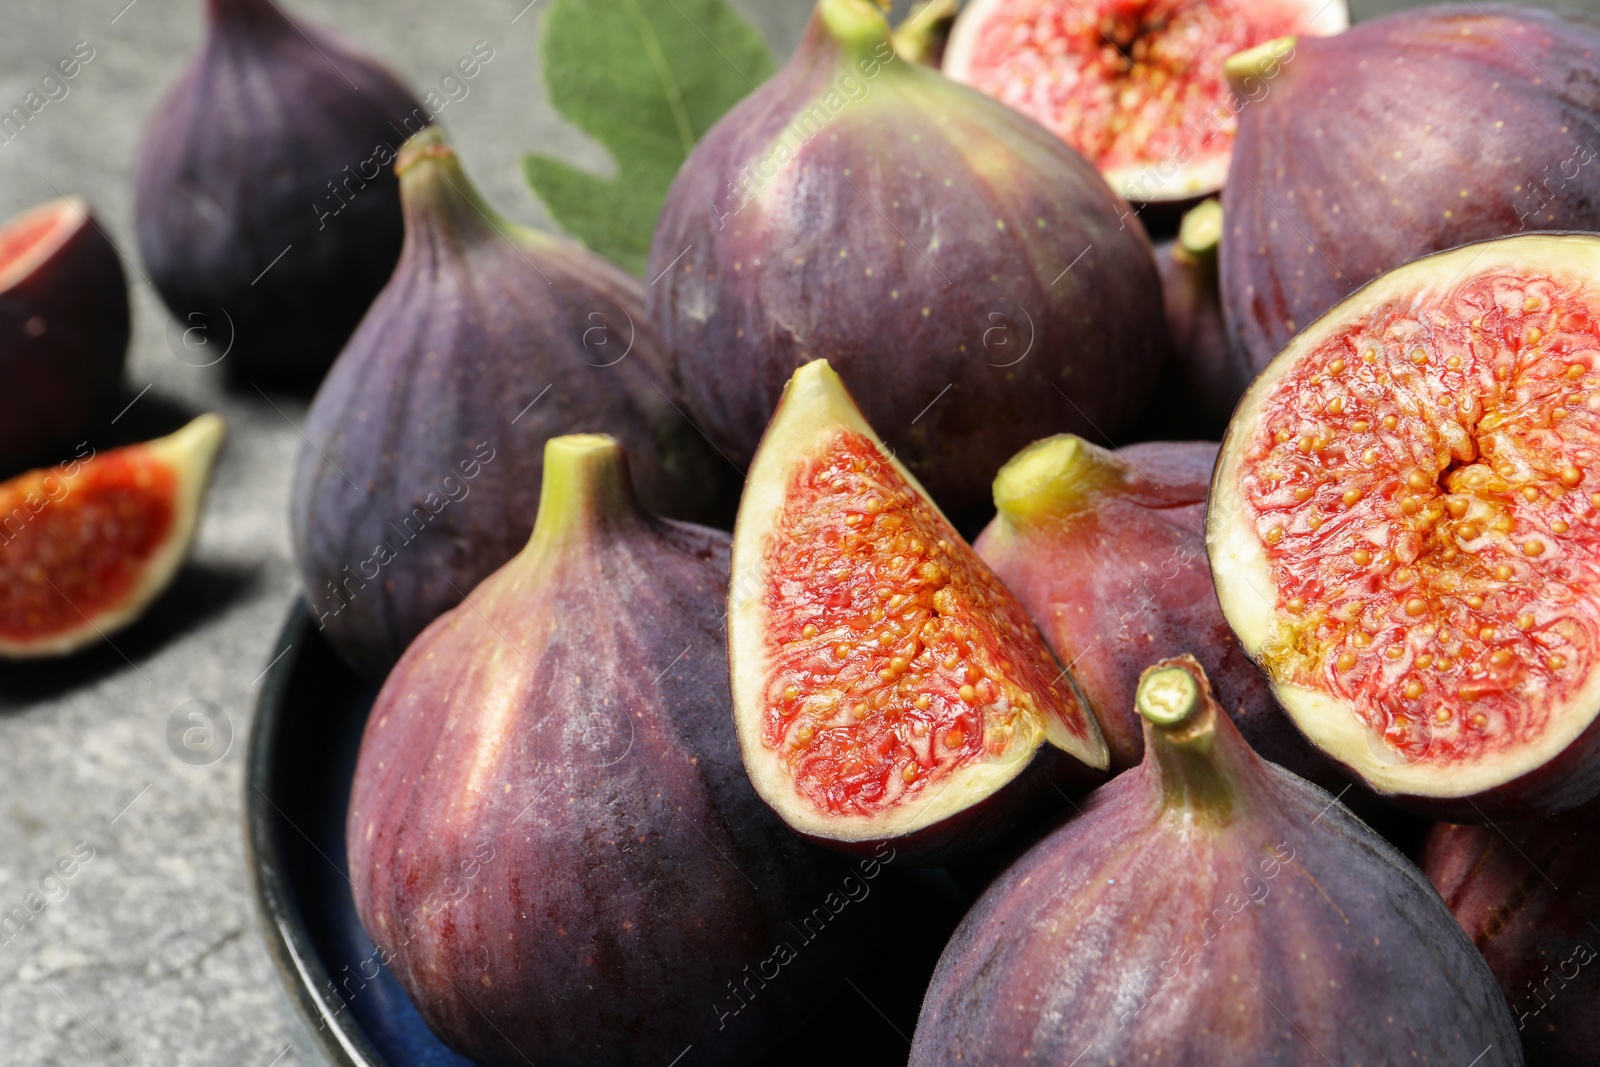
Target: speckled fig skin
(63, 341)
(1209, 907)
(421, 468)
(925, 240)
(1528, 894)
(1409, 134)
(1107, 552)
(271, 128)
(551, 776)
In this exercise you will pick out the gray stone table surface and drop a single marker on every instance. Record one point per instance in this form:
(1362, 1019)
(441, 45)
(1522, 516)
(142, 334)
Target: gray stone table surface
(153, 955)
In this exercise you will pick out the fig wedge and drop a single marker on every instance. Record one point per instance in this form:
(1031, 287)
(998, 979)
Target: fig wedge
(886, 685)
(85, 547)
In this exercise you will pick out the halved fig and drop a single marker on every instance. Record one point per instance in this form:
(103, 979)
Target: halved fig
(1106, 550)
(1137, 87)
(886, 685)
(89, 544)
(63, 329)
(1404, 529)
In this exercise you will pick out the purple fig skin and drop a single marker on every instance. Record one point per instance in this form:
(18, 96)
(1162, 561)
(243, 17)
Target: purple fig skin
(1209, 907)
(552, 839)
(63, 338)
(424, 447)
(270, 129)
(1528, 894)
(924, 239)
(1406, 135)
(1107, 552)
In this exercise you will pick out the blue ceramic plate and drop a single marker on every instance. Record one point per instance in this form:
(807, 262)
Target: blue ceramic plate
(302, 755)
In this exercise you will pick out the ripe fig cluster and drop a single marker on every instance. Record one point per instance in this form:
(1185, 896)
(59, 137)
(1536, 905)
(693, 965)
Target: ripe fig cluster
(636, 788)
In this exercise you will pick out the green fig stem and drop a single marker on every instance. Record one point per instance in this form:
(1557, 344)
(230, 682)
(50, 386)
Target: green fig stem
(1200, 232)
(586, 488)
(858, 26)
(1249, 71)
(1196, 768)
(434, 189)
(1053, 479)
(920, 37)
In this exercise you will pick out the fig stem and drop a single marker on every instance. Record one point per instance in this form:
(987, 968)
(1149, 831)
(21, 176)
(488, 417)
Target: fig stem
(1192, 759)
(585, 487)
(1200, 232)
(1167, 695)
(1248, 72)
(1053, 478)
(858, 25)
(434, 187)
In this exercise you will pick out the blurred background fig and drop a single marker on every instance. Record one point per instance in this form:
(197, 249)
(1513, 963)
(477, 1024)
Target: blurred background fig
(1402, 529)
(1528, 894)
(887, 687)
(1138, 88)
(554, 761)
(1107, 552)
(1409, 134)
(1209, 907)
(266, 207)
(972, 279)
(88, 545)
(420, 470)
(63, 330)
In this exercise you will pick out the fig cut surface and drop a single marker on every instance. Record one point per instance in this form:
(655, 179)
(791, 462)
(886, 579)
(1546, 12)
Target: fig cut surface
(88, 545)
(1137, 88)
(1405, 528)
(884, 679)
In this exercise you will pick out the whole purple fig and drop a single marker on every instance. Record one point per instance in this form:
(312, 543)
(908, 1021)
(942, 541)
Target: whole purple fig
(1528, 894)
(1410, 134)
(267, 213)
(552, 839)
(923, 238)
(420, 470)
(63, 329)
(1209, 907)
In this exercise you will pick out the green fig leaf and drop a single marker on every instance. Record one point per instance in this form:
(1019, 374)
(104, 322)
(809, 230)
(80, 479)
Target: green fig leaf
(645, 78)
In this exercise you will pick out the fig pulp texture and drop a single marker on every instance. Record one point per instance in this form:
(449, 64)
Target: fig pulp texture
(886, 686)
(268, 214)
(1410, 134)
(1528, 894)
(1107, 552)
(87, 546)
(1138, 88)
(420, 470)
(1404, 529)
(1209, 907)
(63, 329)
(551, 838)
(969, 276)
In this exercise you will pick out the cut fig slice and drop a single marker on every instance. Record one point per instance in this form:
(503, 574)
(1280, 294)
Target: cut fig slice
(87, 546)
(885, 683)
(1138, 88)
(1404, 529)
